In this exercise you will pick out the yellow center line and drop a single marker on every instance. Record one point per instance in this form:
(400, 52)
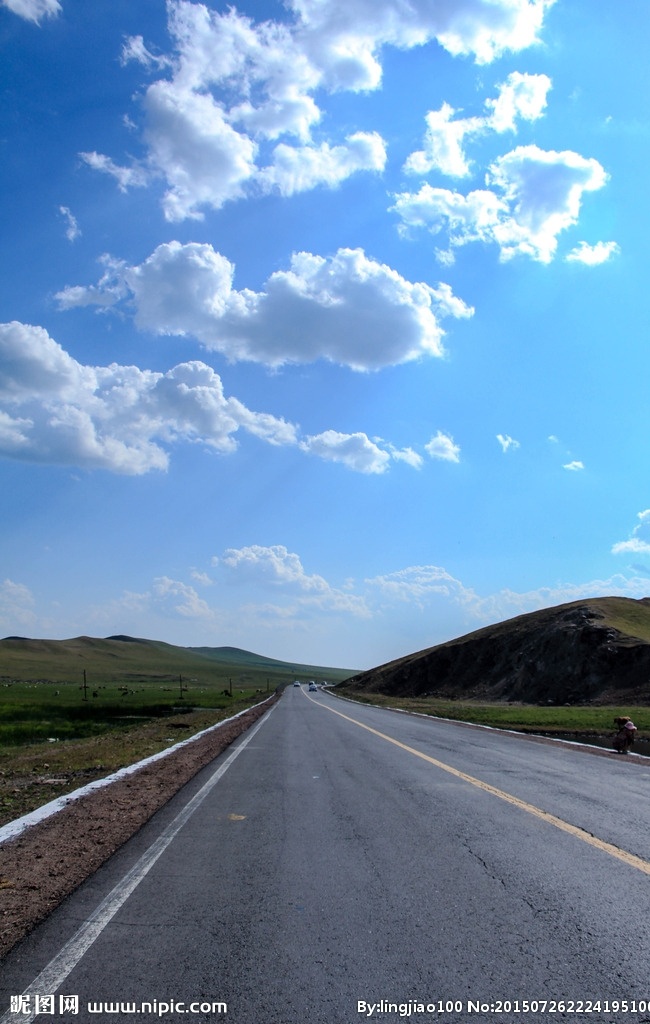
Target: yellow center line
(614, 851)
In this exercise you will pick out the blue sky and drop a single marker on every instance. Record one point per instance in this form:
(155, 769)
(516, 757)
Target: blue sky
(324, 326)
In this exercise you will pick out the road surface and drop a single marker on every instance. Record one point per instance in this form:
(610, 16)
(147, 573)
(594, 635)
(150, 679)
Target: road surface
(343, 863)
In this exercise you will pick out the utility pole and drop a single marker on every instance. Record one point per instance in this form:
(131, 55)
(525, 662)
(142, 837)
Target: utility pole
(85, 687)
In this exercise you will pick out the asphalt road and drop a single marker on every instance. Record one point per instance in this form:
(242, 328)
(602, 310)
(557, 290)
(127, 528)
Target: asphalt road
(346, 856)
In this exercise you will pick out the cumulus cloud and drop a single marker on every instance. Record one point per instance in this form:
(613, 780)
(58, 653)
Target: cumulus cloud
(536, 195)
(113, 417)
(407, 455)
(639, 541)
(274, 565)
(277, 569)
(423, 585)
(442, 447)
(520, 96)
(346, 42)
(544, 190)
(417, 584)
(234, 84)
(593, 255)
(123, 419)
(575, 466)
(356, 451)
(182, 598)
(33, 10)
(203, 158)
(347, 308)
(443, 144)
(299, 168)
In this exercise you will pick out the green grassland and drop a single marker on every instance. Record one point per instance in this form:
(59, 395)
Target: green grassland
(58, 690)
(76, 710)
(628, 617)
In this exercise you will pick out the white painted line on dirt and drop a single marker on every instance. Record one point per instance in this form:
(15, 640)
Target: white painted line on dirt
(52, 977)
(14, 828)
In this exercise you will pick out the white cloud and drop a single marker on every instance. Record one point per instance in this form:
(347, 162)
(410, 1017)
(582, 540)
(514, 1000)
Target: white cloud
(520, 96)
(125, 420)
(347, 309)
(234, 84)
(423, 585)
(417, 584)
(203, 158)
(539, 194)
(113, 417)
(126, 177)
(544, 190)
(182, 599)
(407, 455)
(73, 230)
(593, 255)
(110, 289)
(201, 577)
(575, 466)
(298, 168)
(634, 546)
(356, 451)
(134, 49)
(275, 566)
(443, 144)
(507, 603)
(277, 569)
(33, 10)
(345, 41)
(17, 607)
(442, 447)
(507, 442)
(639, 542)
(471, 218)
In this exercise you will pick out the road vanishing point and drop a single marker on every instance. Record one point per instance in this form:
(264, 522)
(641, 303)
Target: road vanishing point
(341, 863)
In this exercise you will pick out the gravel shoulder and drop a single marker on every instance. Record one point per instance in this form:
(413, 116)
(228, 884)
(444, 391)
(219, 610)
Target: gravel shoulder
(48, 861)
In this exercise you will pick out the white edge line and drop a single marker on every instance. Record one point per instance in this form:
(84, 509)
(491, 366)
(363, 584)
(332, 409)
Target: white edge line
(15, 828)
(55, 973)
(477, 725)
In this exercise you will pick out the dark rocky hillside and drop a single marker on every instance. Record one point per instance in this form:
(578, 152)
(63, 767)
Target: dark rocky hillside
(588, 651)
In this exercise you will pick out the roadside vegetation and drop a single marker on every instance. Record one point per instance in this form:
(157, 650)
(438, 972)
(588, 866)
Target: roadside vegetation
(582, 721)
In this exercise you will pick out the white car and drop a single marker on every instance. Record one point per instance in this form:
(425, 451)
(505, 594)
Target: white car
(296, 683)
(313, 688)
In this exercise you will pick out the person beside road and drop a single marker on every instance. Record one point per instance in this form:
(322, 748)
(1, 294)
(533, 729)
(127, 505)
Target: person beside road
(625, 736)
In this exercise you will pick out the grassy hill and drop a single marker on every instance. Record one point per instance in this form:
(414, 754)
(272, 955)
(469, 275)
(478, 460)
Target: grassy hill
(85, 686)
(124, 659)
(595, 651)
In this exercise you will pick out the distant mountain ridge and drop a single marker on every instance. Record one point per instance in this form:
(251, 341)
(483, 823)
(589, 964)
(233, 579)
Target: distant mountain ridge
(595, 650)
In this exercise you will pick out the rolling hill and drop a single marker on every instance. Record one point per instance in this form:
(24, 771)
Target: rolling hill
(117, 658)
(595, 651)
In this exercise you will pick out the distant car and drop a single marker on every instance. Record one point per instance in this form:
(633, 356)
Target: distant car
(296, 683)
(313, 688)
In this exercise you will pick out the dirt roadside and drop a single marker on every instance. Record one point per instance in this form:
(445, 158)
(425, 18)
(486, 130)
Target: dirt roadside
(48, 861)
